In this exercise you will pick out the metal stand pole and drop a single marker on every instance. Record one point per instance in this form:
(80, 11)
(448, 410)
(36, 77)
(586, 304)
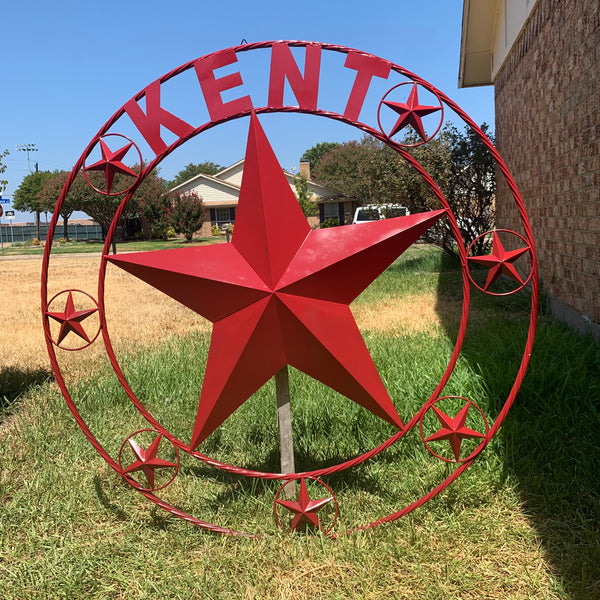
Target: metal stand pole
(284, 422)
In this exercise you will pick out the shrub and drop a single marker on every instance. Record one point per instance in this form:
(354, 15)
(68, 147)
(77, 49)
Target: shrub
(187, 213)
(171, 232)
(330, 222)
(35, 242)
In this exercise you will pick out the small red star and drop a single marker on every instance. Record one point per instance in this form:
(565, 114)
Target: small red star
(453, 429)
(304, 508)
(500, 261)
(70, 320)
(146, 460)
(111, 163)
(411, 113)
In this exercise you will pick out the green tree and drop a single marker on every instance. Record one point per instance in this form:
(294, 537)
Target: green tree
(365, 170)
(151, 203)
(309, 208)
(103, 208)
(50, 193)
(156, 215)
(191, 170)
(3, 182)
(26, 198)
(187, 213)
(471, 189)
(315, 154)
(373, 173)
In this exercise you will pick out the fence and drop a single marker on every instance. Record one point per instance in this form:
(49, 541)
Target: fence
(24, 233)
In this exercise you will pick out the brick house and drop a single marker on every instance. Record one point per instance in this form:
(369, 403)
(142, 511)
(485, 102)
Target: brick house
(220, 194)
(543, 58)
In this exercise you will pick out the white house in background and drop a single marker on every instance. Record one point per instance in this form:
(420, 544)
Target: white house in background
(220, 194)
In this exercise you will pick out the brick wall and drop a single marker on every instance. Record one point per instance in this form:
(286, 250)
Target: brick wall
(547, 98)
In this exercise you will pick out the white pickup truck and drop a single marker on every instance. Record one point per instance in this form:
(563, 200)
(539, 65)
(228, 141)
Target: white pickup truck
(375, 212)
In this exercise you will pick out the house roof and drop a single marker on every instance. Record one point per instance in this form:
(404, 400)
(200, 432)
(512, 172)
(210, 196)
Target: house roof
(478, 21)
(219, 179)
(490, 29)
(197, 179)
(222, 174)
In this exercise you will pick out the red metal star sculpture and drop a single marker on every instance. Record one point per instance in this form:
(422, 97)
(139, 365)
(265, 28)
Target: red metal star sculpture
(305, 510)
(111, 163)
(500, 262)
(453, 429)
(147, 460)
(70, 320)
(280, 293)
(411, 113)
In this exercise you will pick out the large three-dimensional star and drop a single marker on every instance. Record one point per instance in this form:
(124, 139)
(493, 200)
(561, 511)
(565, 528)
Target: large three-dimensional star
(147, 460)
(305, 510)
(411, 113)
(500, 262)
(453, 429)
(70, 320)
(280, 293)
(111, 163)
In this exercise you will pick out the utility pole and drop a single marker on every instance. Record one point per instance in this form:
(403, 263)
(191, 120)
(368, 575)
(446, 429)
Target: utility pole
(31, 148)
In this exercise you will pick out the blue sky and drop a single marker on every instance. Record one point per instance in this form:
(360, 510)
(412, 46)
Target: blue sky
(66, 67)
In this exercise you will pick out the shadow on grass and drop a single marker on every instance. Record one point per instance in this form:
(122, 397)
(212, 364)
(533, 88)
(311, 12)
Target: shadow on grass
(550, 441)
(14, 382)
(103, 498)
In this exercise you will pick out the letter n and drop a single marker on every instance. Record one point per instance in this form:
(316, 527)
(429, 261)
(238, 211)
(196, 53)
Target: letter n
(283, 65)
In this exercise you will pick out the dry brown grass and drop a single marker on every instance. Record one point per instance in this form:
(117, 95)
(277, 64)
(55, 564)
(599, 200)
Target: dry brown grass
(137, 315)
(411, 313)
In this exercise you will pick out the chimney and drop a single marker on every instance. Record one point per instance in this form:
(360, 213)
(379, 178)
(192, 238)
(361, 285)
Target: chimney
(305, 168)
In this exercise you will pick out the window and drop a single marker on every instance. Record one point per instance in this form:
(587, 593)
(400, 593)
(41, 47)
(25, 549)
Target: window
(331, 211)
(222, 215)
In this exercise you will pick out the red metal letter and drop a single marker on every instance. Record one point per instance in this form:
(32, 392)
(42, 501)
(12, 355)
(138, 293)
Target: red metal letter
(306, 89)
(367, 67)
(149, 124)
(212, 87)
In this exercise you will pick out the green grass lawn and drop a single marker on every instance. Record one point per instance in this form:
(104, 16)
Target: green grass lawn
(78, 247)
(522, 522)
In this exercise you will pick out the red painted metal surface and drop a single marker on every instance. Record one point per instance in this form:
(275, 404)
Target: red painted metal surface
(303, 286)
(71, 320)
(305, 511)
(454, 430)
(147, 461)
(410, 113)
(111, 163)
(280, 293)
(501, 262)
